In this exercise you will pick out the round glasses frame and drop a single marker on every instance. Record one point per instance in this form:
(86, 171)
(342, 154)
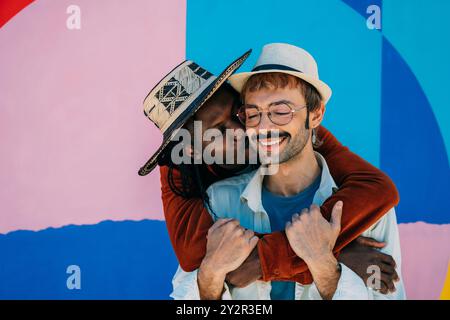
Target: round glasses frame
(242, 117)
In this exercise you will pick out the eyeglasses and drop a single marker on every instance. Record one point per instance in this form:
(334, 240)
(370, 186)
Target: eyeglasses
(280, 114)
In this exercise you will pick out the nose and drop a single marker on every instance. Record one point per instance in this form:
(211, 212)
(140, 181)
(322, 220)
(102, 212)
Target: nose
(265, 122)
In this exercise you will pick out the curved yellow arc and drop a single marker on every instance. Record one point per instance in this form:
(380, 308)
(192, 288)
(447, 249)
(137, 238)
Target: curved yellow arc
(445, 294)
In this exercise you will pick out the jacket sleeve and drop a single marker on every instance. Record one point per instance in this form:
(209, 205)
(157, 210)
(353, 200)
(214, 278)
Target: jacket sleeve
(367, 194)
(187, 222)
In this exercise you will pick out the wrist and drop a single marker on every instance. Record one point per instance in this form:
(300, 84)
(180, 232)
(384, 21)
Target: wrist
(210, 283)
(325, 261)
(326, 273)
(212, 271)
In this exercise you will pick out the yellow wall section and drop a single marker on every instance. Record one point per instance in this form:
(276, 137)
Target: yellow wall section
(445, 294)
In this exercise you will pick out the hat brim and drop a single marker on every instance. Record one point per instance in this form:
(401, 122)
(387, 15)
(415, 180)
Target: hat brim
(201, 98)
(238, 81)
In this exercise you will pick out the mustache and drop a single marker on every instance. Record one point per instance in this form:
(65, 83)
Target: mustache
(271, 134)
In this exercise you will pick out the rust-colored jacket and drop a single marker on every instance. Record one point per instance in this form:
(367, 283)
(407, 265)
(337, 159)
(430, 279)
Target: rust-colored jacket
(367, 194)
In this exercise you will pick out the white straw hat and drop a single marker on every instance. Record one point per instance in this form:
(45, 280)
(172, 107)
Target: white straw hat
(289, 59)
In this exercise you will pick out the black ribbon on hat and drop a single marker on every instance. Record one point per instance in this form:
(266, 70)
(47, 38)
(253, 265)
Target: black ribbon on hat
(274, 66)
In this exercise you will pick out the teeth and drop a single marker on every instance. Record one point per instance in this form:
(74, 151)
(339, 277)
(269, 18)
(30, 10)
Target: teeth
(270, 142)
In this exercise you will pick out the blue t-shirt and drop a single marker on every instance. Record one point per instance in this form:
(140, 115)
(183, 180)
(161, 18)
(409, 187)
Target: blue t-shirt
(280, 210)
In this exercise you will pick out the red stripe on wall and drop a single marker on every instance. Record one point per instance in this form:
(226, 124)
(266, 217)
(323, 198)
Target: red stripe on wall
(9, 8)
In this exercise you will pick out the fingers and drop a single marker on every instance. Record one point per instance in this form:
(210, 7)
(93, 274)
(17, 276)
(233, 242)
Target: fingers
(390, 271)
(387, 259)
(385, 267)
(246, 234)
(219, 223)
(253, 242)
(385, 284)
(336, 216)
(369, 242)
(233, 227)
(388, 282)
(384, 289)
(298, 216)
(250, 237)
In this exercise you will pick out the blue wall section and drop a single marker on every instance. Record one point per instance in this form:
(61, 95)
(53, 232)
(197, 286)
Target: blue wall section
(378, 107)
(118, 260)
(347, 52)
(360, 6)
(412, 149)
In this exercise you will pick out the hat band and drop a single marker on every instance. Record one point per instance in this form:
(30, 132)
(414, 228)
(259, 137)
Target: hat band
(274, 66)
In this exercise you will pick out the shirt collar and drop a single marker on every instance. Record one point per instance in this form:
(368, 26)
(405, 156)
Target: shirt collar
(252, 192)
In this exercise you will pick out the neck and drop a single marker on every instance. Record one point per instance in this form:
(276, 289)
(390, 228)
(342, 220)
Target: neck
(294, 175)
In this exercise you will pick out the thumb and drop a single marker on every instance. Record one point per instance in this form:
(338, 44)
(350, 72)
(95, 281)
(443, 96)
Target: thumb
(369, 242)
(253, 242)
(336, 216)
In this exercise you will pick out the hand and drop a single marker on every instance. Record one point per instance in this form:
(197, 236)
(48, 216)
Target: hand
(311, 236)
(227, 247)
(247, 273)
(362, 253)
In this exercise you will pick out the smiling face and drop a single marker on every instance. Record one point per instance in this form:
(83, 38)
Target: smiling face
(219, 112)
(293, 136)
(287, 100)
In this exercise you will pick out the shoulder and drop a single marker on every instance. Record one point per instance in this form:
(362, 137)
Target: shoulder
(224, 196)
(233, 184)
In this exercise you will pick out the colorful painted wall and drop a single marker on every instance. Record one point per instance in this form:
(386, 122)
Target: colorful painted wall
(73, 135)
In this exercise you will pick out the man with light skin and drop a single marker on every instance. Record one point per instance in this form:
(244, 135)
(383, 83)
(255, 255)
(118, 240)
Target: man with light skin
(283, 103)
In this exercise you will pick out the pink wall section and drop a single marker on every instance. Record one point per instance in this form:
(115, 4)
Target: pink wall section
(73, 133)
(425, 257)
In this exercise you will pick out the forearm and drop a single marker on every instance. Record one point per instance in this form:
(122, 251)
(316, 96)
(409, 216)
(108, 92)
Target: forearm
(210, 282)
(187, 222)
(326, 274)
(367, 193)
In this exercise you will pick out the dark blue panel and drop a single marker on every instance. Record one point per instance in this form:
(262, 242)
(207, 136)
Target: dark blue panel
(360, 6)
(412, 148)
(118, 260)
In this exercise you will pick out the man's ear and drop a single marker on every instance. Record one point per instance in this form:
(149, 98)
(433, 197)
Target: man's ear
(316, 116)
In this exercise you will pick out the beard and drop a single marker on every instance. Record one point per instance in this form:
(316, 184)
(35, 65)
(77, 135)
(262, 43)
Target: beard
(295, 145)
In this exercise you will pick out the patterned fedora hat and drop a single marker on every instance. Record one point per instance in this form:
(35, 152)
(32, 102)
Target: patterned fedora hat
(178, 96)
